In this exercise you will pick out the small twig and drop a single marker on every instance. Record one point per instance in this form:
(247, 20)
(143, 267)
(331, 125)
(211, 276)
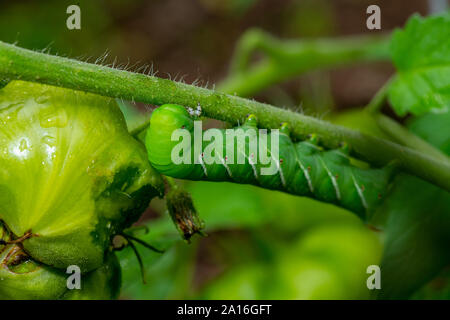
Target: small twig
(145, 244)
(141, 263)
(26, 236)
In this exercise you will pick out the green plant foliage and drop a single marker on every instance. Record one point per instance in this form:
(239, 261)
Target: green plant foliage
(421, 54)
(417, 236)
(326, 262)
(168, 275)
(329, 262)
(223, 206)
(240, 283)
(74, 175)
(419, 219)
(434, 128)
(415, 217)
(437, 289)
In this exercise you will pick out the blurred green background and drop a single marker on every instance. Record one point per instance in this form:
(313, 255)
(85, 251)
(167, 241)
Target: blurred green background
(261, 244)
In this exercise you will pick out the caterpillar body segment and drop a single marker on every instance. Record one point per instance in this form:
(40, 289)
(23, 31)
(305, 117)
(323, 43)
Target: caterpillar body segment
(301, 168)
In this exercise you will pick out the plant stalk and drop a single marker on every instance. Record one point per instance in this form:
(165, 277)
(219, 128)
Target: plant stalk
(284, 59)
(21, 64)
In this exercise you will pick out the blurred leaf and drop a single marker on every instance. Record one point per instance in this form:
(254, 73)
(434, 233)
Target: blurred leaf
(434, 128)
(244, 282)
(437, 289)
(358, 119)
(167, 273)
(417, 236)
(417, 213)
(232, 7)
(418, 224)
(421, 53)
(226, 205)
(19, 21)
(328, 262)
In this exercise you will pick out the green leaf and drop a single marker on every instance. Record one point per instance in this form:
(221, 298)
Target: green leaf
(421, 54)
(437, 289)
(417, 230)
(434, 128)
(222, 206)
(416, 236)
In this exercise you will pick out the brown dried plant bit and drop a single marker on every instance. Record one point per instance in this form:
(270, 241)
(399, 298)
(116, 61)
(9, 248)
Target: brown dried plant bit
(4, 234)
(15, 257)
(183, 213)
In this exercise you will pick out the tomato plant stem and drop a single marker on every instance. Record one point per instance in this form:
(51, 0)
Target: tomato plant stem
(23, 64)
(283, 59)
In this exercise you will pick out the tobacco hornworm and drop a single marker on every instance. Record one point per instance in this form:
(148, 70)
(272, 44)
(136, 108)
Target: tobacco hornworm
(301, 168)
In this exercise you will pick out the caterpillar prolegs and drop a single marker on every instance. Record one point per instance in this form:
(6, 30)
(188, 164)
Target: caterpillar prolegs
(301, 168)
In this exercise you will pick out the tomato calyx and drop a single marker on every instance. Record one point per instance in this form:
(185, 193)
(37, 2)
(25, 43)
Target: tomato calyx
(19, 240)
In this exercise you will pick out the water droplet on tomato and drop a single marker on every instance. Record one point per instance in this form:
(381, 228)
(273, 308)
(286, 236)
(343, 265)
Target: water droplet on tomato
(42, 99)
(23, 146)
(51, 117)
(49, 140)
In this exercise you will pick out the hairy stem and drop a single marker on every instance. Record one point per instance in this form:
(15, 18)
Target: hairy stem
(19, 63)
(284, 59)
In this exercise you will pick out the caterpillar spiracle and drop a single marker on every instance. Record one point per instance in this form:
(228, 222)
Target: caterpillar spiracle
(302, 168)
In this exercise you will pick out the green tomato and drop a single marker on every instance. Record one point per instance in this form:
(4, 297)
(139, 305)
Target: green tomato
(24, 279)
(329, 262)
(245, 282)
(306, 279)
(71, 176)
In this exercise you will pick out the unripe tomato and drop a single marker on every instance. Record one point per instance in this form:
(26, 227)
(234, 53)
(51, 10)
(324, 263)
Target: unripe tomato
(21, 278)
(329, 262)
(71, 176)
(244, 282)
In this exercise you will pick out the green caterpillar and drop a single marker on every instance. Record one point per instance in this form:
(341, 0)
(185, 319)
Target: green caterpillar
(302, 168)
